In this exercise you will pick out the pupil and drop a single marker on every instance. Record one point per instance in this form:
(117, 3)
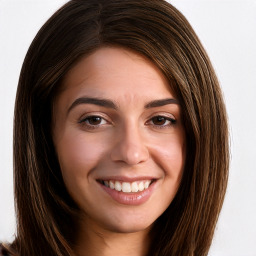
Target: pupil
(159, 120)
(95, 120)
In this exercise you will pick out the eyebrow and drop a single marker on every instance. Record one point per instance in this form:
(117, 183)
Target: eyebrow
(160, 103)
(110, 104)
(95, 101)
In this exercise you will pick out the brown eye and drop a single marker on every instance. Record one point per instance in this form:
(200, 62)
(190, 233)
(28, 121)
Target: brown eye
(93, 121)
(159, 120)
(162, 121)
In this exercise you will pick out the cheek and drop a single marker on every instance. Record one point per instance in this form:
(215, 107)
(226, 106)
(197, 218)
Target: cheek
(78, 154)
(170, 154)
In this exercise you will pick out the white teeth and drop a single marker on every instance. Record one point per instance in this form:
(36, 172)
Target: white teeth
(135, 187)
(127, 187)
(111, 184)
(147, 183)
(141, 186)
(118, 186)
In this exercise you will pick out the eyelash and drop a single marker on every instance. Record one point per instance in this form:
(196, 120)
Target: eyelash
(171, 121)
(85, 122)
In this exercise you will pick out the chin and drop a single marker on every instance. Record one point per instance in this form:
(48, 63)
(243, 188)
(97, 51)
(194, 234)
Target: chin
(129, 228)
(128, 223)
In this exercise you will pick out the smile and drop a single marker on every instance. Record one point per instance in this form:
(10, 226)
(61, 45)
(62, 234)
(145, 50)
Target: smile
(127, 187)
(133, 192)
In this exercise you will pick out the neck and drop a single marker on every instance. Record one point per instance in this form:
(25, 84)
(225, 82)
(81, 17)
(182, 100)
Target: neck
(97, 241)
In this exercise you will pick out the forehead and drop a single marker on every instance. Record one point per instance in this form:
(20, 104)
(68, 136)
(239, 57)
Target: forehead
(116, 73)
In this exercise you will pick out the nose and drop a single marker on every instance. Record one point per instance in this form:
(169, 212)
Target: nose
(130, 147)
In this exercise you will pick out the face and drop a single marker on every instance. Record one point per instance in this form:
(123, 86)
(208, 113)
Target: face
(120, 140)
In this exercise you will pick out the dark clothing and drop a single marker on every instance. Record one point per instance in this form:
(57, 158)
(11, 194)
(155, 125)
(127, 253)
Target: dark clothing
(3, 251)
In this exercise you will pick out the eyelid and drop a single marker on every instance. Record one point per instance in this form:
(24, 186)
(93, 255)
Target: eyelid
(169, 118)
(91, 114)
(88, 117)
(90, 127)
(163, 114)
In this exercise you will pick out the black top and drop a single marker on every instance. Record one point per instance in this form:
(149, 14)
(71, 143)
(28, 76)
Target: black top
(3, 251)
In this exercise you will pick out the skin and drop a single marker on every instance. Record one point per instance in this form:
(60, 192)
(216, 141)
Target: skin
(127, 141)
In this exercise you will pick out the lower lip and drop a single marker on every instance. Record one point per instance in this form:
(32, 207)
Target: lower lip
(130, 198)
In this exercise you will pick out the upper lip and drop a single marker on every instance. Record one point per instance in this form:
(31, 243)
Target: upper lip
(126, 179)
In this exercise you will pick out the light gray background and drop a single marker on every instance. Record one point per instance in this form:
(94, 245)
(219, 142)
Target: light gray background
(227, 29)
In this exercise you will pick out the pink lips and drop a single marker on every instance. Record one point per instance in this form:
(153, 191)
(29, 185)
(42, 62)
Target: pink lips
(136, 198)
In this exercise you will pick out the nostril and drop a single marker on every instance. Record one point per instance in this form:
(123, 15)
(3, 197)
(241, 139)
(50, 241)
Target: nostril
(130, 146)
(131, 155)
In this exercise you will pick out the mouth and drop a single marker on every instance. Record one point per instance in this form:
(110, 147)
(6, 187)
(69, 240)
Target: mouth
(127, 187)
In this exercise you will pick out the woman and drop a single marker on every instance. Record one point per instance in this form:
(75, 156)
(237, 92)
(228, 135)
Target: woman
(120, 135)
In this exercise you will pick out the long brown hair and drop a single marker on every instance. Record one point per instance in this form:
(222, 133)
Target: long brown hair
(154, 28)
